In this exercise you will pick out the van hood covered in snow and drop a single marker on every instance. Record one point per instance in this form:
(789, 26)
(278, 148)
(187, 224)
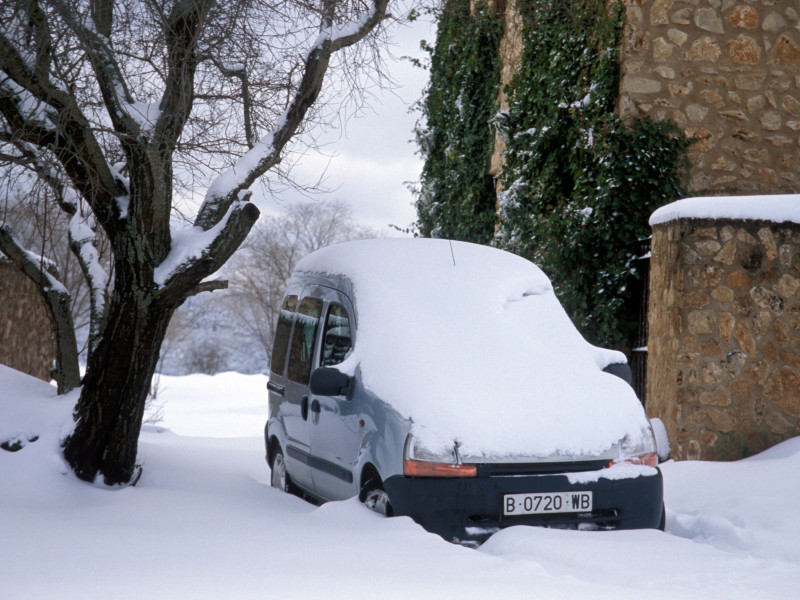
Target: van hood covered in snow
(471, 343)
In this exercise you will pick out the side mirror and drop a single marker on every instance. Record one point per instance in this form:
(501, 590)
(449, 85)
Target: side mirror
(621, 370)
(327, 381)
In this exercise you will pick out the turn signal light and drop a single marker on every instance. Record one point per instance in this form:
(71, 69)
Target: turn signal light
(424, 468)
(648, 460)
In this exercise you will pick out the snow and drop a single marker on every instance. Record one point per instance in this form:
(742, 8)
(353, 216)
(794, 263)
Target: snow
(188, 245)
(537, 390)
(778, 208)
(203, 523)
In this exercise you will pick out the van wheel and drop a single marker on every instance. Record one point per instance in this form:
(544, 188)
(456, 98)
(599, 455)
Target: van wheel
(375, 497)
(280, 478)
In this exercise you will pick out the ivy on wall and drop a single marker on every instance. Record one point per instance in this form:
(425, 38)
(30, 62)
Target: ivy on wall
(580, 183)
(456, 198)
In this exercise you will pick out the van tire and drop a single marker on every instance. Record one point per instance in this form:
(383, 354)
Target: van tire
(279, 478)
(375, 497)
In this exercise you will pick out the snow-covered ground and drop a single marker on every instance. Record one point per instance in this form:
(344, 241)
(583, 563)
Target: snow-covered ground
(203, 523)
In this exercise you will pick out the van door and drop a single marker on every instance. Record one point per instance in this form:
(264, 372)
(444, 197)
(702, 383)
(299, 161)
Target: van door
(335, 429)
(296, 403)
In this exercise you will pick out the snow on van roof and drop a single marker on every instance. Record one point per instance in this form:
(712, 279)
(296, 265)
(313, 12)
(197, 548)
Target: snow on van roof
(778, 208)
(471, 343)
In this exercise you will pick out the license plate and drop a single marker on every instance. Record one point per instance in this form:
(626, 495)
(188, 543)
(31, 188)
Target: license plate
(547, 503)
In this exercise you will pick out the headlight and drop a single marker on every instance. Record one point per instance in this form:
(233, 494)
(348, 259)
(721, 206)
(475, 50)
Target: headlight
(419, 461)
(640, 450)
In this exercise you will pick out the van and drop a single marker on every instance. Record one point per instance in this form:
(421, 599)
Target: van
(443, 381)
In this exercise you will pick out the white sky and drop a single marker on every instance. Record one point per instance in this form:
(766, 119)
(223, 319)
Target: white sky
(374, 156)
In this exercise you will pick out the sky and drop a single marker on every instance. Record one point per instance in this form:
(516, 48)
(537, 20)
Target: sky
(369, 163)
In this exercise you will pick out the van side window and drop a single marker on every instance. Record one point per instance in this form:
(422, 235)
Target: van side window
(305, 331)
(282, 331)
(336, 342)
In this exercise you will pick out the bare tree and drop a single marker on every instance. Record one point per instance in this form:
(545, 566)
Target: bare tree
(259, 271)
(123, 102)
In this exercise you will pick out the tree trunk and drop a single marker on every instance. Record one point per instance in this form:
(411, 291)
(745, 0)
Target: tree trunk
(109, 414)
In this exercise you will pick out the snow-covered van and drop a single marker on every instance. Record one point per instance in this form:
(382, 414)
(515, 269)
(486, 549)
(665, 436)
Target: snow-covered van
(444, 381)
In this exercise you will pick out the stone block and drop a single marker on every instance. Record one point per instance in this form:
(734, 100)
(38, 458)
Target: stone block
(723, 295)
(733, 115)
(659, 12)
(749, 81)
(786, 52)
(712, 374)
(744, 50)
(640, 85)
(710, 349)
(771, 120)
(665, 71)
(695, 300)
(761, 323)
(739, 280)
(767, 299)
(723, 419)
(708, 438)
(744, 337)
(727, 253)
(662, 49)
(768, 241)
(744, 17)
(709, 20)
(756, 155)
(756, 372)
(756, 103)
(701, 322)
(783, 389)
(703, 49)
(713, 98)
(791, 105)
(773, 23)
(725, 326)
(787, 286)
(781, 332)
(677, 37)
(766, 175)
(682, 16)
(778, 423)
(686, 395)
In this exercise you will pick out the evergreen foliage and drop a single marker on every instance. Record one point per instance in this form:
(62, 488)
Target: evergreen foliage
(580, 183)
(457, 198)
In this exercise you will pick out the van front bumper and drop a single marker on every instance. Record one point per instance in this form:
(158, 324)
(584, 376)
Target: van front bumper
(469, 510)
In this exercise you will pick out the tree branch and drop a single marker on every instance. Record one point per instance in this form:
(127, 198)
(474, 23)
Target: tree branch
(201, 253)
(225, 190)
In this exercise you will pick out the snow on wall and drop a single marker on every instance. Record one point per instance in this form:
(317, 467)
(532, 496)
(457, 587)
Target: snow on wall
(778, 208)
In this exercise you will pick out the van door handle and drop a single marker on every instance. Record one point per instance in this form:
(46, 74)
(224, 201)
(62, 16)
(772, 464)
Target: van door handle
(304, 408)
(315, 407)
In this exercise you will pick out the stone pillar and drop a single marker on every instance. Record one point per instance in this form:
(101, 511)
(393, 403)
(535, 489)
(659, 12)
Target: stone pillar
(724, 341)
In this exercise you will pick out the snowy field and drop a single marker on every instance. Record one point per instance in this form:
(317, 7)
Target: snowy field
(203, 523)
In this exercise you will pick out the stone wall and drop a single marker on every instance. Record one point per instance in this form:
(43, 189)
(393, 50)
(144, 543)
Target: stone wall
(724, 342)
(728, 73)
(26, 342)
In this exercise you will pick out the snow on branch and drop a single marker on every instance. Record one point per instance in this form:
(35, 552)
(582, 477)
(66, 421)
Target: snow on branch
(196, 253)
(83, 243)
